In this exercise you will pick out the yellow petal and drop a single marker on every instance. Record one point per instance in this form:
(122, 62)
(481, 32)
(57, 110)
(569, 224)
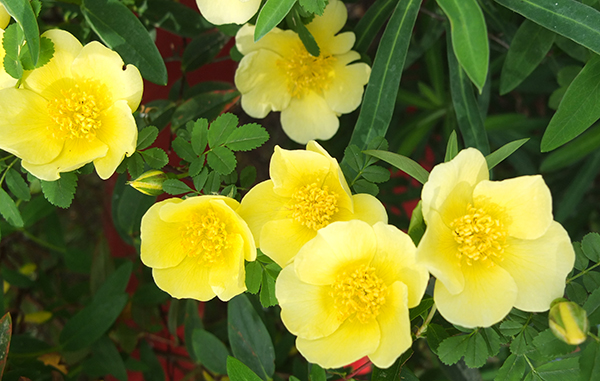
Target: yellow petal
(4, 18)
(228, 11)
(66, 48)
(488, 296)
(99, 62)
(313, 146)
(188, 279)
(369, 209)
(395, 260)
(539, 267)
(525, 201)
(309, 118)
(469, 166)
(345, 92)
(261, 205)
(438, 251)
(336, 246)
(25, 127)
(161, 240)
(394, 324)
(119, 132)
(281, 239)
(227, 277)
(176, 212)
(263, 87)
(306, 310)
(293, 169)
(324, 27)
(75, 154)
(277, 41)
(352, 341)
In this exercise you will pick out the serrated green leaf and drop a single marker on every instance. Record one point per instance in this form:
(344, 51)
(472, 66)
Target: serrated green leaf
(592, 307)
(576, 293)
(222, 160)
(204, 105)
(155, 157)
(353, 157)
(435, 335)
(253, 276)
(46, 53)
(403, 163)
(17, 185)
(512, 369)
(364, 186)
(184, 149)
(175, 187)
(523, 340)
(247, 137)
(271, 14)
(267, 291)
(578, 110)
(210, 351)
(200, 179)
(560, 370)
(527, 50)
(213, 183)
(314, 6)
(591, 246)
(376, 174)
(196, 166)
(146, 137)
(12, 41)
(203, 49)
(221, 128)
(453, 349)
(503, 152)
(199, 136)
(589, 361)
(238, 371)
(135, 165)
(62, 191)
(174, 17)
(550, 346)
(476, 353)
(510, 327)
(24, 15)
(122, 31)
(469, 38)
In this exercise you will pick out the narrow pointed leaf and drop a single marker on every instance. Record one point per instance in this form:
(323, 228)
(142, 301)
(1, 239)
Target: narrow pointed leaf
(578, 110)
(403, 163)
(271, 14)
(469, 37)
(503, 152)
(370, 24)
(380, 95)
(5, 336)
(570, 18)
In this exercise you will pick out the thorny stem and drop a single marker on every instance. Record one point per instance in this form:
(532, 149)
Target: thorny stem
(423, 328)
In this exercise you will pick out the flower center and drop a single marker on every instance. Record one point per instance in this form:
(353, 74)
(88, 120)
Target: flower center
(205, 238)
(313, 206)
(305, 72)
(480, 237)
(359, 292)
(76, 111)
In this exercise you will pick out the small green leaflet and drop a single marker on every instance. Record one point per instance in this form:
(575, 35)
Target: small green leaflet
(60, 192)
(314, 6)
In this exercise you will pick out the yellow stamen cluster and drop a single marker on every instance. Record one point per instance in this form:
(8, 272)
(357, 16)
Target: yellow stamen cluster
(480, 237)
(305, 72)
(76, 111)
(313, 206)
(360, 292)
(205, 237)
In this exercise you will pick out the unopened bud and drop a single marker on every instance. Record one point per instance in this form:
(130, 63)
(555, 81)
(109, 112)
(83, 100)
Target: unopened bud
(149, 183)
(569, 322)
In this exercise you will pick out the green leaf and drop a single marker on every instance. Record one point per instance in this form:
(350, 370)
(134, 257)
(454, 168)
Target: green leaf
(573, 152)
(5, 336)
(237, 371)
(174, 17)
(435, 335)
(155, 157)
(523, 340)
(62, 191)
(452, 349)
(267, 291)
(578, 110)
(253, 276)
(205, 105)
(271, 14)
(376, 174)
(199, 136)
(210, 351)
(403, 163)
(196, 166)
(510, 327)
(576, 292)
(192, 322)
(105, 360)
(183, 149)
(380, 96)
(314, 6)
(592, 307)
(483, 344)
(560, 370)
(203, 49)
(23, 14)
(249, 339)
(578, 187)
(512, 369)
(154, 369)
(200, 179)
(469, 38)
(364, 186)
(12, 41)
(591, 246)
(247, 137)
(308, 40)
(175, 187)
(465, 104)
(394, 371)
(213, 183)
(589, 361)
(115, 284)
(222, 160)
(15, 278)
(46, 54)
(569, 18)
(371, 22)
(247, 177)
(128, 207)
(423, 307)
(221, 128)
(146, 137)
(503, 152)
(527, 50)
(17, 185)
(451, 147)
(550, 346)
(135, 165)
(122, 31)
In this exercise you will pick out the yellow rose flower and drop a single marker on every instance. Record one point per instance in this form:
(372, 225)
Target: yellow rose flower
(219, 12)
(74, 110)
(307, 191)
(196, 247)
(492, 245)
(278, 74)
(348, 292)
(4, 17)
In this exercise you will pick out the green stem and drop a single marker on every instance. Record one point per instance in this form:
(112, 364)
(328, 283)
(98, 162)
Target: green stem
(533, 370)
(41, 242)
(423, 328)
(583, 272)
(6, 170)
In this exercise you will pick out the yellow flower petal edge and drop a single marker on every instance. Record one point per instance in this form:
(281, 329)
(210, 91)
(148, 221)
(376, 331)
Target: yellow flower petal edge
(219, 12)
(348, 292)
(197, 247)
(492, 245)
(278, 74)
(77, 109)
(4, 17)
(307, 191)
